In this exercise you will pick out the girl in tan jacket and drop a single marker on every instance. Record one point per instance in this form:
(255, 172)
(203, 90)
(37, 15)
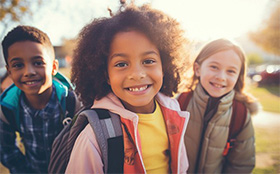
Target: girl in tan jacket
(218, 80)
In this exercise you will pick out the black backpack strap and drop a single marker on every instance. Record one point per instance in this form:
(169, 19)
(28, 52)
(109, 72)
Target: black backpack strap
(64, 142)
(71, 103)
(108, 132)
(70, 108)
(238, 118)
(7, 116)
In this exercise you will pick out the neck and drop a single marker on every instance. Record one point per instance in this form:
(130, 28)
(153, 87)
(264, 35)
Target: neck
(39, 101)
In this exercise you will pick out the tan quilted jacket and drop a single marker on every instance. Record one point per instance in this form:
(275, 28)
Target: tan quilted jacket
(240, 159)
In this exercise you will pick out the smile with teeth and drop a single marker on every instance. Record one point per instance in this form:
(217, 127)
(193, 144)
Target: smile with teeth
(217, 85)
(31, 82)
(138, 89)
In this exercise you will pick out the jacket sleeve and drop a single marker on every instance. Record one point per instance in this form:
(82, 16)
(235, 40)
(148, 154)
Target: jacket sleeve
(241, 158)
(86, 155)
(11, 156)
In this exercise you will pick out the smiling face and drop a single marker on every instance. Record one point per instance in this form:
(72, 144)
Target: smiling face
(135, 71)
(31, 68)
(218, 73)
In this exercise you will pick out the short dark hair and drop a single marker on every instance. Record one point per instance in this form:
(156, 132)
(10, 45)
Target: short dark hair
(26, 33)
(89, 66)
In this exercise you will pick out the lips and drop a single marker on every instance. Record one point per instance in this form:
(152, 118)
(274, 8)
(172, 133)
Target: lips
(33, 82)
(217, 85)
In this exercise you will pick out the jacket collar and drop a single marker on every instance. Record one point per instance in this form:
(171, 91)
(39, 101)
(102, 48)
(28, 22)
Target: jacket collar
(113, 104)
(10, 97)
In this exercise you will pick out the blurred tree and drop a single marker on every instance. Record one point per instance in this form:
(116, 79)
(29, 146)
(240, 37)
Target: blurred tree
(254, 59)
(68, 46)
(268, 36)
(15, 11)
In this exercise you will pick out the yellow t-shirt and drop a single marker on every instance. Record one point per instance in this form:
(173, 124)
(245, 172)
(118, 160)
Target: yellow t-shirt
(154, 142)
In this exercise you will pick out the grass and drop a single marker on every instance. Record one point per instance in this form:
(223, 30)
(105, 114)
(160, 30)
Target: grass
(268, 143)
(269, 97)
(268, 139)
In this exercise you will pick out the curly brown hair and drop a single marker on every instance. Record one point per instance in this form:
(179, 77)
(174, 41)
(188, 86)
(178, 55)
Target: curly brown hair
(89, 68)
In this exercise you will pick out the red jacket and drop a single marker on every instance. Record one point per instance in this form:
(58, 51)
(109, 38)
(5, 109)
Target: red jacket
(87, 152)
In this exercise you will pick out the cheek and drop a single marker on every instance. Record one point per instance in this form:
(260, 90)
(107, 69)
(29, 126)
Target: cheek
(235, 80)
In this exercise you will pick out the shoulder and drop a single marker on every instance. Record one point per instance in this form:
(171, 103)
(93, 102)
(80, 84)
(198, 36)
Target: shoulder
(10, 98)
(86, 151)
(250, 102)
(87, 143)
(168, 102)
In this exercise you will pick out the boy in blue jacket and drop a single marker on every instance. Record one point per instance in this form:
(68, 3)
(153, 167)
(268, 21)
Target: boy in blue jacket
(36, 105)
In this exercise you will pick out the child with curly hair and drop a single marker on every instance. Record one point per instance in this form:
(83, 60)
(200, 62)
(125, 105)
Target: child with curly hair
(128, 64)
(217, 83)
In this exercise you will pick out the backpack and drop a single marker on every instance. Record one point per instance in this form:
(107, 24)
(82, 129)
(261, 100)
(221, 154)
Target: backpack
(238, 118)
(108, 131)
(67, 110)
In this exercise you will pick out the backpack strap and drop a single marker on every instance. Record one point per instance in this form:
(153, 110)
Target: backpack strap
(7, 116)
(70, 108)
(108, 132)
(70, 103)
(238, 118)
(184, 99)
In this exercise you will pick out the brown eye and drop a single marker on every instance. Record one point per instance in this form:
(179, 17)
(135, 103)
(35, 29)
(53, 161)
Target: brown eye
(122, 64)
(149, 61)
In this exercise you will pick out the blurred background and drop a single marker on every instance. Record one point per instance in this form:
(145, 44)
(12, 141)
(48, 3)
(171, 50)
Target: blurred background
(253, 24)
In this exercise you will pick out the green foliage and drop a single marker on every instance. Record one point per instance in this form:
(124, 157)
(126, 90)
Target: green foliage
(269, 97)
(15, 11)
(268, 37)
(254, 59)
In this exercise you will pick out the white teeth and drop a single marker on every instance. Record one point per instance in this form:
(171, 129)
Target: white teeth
(217, 85)
(138, 89)
(30, 83)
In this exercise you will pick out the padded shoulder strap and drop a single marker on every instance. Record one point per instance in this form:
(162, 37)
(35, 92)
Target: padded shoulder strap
(8, 117)
(238, 118)
(2, 116)
(108, 132)
(184, 99)
(70, 103)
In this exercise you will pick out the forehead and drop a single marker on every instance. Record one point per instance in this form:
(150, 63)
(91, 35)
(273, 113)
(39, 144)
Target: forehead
(132, 37)
(226, 58)
(28, 49)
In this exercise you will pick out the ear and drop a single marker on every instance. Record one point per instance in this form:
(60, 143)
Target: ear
(196, 68)
(55, 67)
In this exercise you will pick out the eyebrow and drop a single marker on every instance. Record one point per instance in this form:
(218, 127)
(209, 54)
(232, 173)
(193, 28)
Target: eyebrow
(15, 59)
(236, 68)
(124, 55)
(19, 59)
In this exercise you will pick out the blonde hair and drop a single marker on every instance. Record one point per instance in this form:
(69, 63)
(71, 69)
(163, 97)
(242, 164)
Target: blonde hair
(214, 47)
(219, 45)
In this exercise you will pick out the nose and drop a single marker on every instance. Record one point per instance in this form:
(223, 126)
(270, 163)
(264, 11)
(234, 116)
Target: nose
(29, 71)
(221, 76)
(137, 72)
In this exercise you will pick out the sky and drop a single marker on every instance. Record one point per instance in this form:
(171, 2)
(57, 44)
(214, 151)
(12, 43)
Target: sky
(202, 19)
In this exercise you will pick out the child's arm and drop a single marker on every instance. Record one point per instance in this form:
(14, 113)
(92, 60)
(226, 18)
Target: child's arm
(11, 156)
(86, 155)
(241, 158)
